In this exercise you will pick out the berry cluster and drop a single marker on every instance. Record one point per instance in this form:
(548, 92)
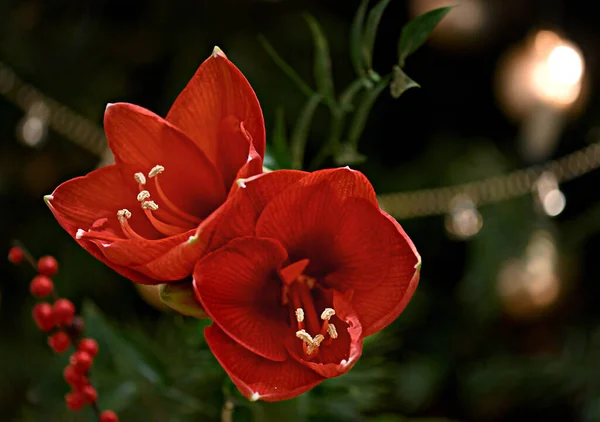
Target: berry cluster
(65, 328)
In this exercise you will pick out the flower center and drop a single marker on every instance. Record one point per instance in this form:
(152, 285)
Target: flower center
(297, 295)
(170, 221)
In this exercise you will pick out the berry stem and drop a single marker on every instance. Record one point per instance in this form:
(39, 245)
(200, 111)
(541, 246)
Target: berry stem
(26, 253)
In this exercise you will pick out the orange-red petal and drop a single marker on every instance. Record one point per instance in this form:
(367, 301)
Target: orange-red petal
(258, 378)
(239, 288)
(141, 140)
(212, 107)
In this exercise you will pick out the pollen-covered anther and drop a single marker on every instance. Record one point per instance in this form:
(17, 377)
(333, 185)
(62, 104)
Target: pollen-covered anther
(140, 178)
(327, 313)
(123, 215)
(332, 331)
(300, 315)
(318, 339)
(143, 195)
(304, 336)
(156, 170)
(150, 205)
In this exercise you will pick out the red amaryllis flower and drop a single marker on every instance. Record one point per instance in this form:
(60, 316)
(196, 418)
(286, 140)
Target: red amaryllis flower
(310, 265)
(148, 215)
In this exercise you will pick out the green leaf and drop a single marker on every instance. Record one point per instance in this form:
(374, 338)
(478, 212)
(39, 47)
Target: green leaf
(182, 298)
(280, 143)
(356, 38)
(129, 361)
(362, 111)
(322, 63)
(371, 31)
(416, 32)
(301, 130)
(285, 67)
(401, 82)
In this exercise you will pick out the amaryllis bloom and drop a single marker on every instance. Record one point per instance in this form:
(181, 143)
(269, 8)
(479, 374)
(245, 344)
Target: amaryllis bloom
(148, 216)
(305, 265)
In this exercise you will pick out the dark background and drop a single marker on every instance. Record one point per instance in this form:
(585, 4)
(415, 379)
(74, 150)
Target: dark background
(461, 350)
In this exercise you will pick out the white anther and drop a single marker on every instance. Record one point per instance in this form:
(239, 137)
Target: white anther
(79, 234)
(156, 170)
(327, 313)
(304, 336)
(140, 178)
(149, 205)
(143, 195)
(123, 214)
(318, 339)
(299, 314)
(332, 331)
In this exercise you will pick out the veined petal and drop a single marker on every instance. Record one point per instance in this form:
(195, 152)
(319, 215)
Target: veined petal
(141, 140)
(79, 202)
(380, 306)
(238, 216)
(376, 259)
(239, 289)
(345, 182)
(258, 378)
(210, 110)
(306, 219)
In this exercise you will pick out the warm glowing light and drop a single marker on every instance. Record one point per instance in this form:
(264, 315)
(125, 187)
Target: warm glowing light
(464, 221)
(547, 70)
(565, 65)
(530, 285)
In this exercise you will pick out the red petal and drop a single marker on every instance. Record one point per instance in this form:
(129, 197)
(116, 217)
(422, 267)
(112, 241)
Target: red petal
(345, 182)
(340, 355)
(239, 214)
(378, 307)
(256, 377)
(210, 110)
(239, 289)
(377, 260)
(78, 203)
(306, 217)
(141, 140)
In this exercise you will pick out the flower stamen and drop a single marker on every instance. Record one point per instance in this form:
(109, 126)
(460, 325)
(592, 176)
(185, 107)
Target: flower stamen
(162, 227)
(189, 219)
(124, 215)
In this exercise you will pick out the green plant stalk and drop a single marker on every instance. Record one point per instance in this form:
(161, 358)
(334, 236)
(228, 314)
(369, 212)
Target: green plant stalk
(338, 120)
(364, 109)
(301, 130)
(285, 67)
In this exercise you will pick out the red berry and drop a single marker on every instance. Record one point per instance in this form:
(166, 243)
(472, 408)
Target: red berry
(43, 316)
(82, 361)
(75, 400)
(47, 265)
(15, 255)
(76, 380)
(90, 393)
(63, 311)
(41, 286)
(108, 416)
(59, 342)
(88, 345)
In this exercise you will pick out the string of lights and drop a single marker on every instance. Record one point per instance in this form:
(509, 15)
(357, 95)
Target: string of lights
(41, 111)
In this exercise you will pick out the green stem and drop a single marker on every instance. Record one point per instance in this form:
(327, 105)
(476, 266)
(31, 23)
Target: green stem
(285, 67)
(301, 130)
(338, 118)
(364, 109)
